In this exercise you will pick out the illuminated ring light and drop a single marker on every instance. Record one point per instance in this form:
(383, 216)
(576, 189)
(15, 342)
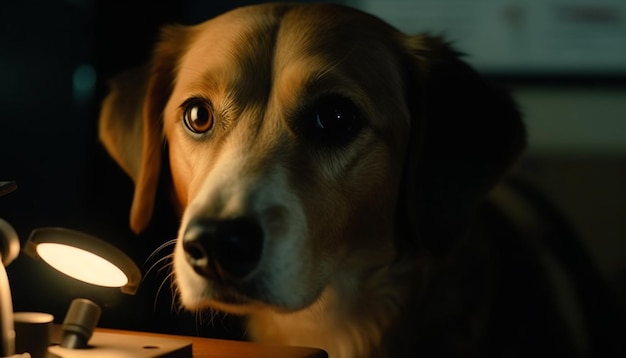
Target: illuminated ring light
(84, 258)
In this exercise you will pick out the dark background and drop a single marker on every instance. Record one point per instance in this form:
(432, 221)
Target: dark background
(49, 146)
(55, 57)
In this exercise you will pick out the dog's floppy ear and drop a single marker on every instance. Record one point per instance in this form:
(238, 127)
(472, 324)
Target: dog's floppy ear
(130, 121)
(465, 135)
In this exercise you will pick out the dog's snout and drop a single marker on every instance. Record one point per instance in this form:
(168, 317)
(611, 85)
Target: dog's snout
(223, 249)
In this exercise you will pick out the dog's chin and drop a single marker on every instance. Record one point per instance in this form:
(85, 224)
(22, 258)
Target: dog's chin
(209, 295)
(219, 300)
(226, 299)
(197, 293)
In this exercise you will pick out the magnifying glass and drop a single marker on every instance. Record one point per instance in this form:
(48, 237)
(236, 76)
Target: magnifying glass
(84, 257)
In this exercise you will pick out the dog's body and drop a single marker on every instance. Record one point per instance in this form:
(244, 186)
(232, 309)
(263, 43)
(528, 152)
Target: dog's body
(319, 158)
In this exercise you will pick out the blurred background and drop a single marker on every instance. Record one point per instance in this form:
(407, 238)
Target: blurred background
(565, 62)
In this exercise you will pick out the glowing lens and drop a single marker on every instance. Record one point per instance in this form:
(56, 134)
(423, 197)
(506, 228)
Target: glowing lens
(82, 265)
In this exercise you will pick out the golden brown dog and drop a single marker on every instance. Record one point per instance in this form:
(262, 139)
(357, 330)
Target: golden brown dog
(320, 159)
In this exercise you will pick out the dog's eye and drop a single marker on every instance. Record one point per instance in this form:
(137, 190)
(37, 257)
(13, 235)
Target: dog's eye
(198, 116)
(334, 120)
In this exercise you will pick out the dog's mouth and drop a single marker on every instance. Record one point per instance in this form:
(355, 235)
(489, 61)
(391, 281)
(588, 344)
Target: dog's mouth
(217, 265)
(229, 298)
(197, 291)
(223, 265)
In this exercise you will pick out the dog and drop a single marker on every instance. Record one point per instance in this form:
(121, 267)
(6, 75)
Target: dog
(332, 178)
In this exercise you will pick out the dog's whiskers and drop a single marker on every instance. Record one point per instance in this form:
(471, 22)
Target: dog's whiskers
(159, 249)
(201, 316)
(163, 260)
(165, 280)
(176, 306)
(210, 317)
(161, 265)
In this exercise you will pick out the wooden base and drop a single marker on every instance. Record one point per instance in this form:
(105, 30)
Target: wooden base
(113, 345)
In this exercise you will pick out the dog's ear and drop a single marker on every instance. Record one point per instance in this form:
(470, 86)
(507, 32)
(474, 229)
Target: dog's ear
(130, 121)
(465, 135)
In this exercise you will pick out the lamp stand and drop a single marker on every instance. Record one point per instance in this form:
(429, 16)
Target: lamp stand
(7, 341)
(113, 345)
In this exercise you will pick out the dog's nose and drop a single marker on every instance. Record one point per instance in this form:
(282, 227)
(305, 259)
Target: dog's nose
(223, 249)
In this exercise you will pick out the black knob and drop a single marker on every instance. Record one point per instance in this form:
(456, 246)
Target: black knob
(79, 323)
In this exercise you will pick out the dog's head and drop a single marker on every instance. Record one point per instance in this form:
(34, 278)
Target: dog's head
(308, 144)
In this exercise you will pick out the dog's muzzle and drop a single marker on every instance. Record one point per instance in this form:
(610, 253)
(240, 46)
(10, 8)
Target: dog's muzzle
(223, 249)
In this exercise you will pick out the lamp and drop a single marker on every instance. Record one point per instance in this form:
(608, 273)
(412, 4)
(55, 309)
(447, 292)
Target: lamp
(9, 249)
(88, 259)
(84, 257)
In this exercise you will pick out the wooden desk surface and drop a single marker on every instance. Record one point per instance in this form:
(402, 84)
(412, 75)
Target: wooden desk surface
(218, 348)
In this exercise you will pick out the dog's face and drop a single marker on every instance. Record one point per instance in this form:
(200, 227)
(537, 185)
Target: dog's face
(289, 130)
(286, 151)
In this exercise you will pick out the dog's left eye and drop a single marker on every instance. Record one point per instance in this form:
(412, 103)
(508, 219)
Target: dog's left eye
(334, 120)
(197, 116)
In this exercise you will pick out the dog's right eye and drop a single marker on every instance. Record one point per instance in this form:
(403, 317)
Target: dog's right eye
(333, 120)
(197, 115)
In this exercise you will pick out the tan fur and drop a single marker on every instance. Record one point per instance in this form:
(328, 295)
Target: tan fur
(341, 262)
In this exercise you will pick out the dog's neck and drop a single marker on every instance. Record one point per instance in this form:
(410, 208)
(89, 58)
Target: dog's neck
(349, 327)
